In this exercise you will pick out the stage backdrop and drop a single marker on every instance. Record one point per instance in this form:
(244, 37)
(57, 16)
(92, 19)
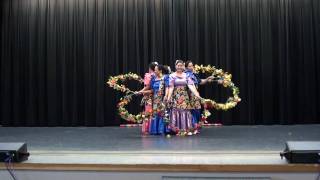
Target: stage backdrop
(56, 56)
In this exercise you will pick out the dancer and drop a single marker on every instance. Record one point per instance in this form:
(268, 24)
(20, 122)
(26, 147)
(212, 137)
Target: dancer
(157, 85)
(166, 81)
(180, 115)
(195, 103)
(147, 99)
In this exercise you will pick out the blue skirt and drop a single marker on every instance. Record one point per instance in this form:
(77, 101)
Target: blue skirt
(196, 115)
(157, 126)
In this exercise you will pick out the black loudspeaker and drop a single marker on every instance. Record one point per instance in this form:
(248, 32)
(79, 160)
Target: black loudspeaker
(302, 152)
(16, 152)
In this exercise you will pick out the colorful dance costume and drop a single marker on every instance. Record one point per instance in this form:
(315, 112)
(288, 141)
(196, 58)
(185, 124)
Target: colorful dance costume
(195, 103)
(180, 115)
(147, 103)
(157, 124)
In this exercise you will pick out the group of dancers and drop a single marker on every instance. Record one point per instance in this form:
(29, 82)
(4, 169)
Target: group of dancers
(178, 91)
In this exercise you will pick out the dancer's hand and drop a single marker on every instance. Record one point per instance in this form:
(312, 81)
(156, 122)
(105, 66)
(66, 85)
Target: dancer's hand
(199, 97)
(165, 99)
(137, 92)
(210, 79)
(168, 103)
(168, 100)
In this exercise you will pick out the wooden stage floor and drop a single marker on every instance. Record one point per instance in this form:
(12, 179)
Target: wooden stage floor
(216, 149)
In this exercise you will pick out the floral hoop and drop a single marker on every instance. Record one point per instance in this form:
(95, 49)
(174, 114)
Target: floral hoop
(223, 78)
(124, 113)
(142, 116)
(113, 81)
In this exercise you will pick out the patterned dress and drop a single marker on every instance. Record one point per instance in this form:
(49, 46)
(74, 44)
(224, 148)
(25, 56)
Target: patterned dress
(195, 103)
(147, 103)
(180, 115)
(157, 124)
(166, 80)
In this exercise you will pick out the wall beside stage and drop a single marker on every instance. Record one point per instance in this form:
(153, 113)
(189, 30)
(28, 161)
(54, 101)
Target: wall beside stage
(56, 56)
(84, 175)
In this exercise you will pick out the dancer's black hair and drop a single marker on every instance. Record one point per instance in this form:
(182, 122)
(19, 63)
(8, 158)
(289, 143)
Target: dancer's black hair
(188, 62)
(161, 68)
(152, 65)
(167, 70)
(178, 61)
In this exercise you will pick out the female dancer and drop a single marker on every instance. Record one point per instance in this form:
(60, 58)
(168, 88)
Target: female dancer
(157, 85)
(180, 115)
(147, 99)
(195, 103)
(166, 81)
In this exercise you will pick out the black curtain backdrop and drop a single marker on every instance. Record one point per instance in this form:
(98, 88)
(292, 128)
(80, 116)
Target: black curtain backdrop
(56, 56)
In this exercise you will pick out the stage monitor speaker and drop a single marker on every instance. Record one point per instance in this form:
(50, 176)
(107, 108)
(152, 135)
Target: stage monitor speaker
(16, 152)
(302, 152)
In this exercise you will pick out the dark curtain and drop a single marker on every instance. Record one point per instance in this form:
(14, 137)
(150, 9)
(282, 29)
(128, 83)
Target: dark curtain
(56, 56)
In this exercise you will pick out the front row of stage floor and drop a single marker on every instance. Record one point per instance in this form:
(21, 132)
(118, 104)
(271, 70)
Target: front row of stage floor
(222, 152)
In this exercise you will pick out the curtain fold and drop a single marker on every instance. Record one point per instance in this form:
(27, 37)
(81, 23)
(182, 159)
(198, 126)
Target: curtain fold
(56, 56)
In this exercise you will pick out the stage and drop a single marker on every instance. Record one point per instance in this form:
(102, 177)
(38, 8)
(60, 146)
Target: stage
(68, 69)
(242, 149)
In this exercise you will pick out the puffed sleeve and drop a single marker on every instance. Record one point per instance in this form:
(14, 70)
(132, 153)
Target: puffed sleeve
(166, 80)
(197, 79)
(153, 78)
(194, 77)
(147, 79)
(171, 80)
(189, 80)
